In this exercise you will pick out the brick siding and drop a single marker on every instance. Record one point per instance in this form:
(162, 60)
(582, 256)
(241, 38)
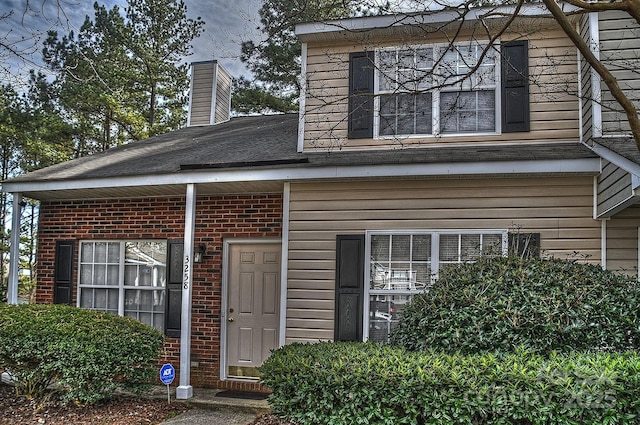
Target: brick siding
(217, 218)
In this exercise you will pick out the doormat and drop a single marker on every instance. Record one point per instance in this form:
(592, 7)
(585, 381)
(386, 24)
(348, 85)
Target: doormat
(246, 395)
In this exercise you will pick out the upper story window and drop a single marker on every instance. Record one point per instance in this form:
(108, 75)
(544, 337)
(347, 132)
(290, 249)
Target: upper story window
(438, 89)
(126, 278)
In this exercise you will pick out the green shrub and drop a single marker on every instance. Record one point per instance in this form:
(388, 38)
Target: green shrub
(88, 354)
(368, 383)
(498, 304)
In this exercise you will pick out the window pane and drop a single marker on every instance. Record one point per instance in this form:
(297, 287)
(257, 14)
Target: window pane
(469, 247)
(467, 111)
(87, 252)
(400, 247)
(421, 248)
(380, 247)
(113, 255)
(384, 311)
(492, 244)
(100, 252)
(448, 247)
(86, 274)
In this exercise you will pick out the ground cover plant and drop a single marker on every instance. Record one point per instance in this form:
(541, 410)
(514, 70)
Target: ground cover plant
(88, 355)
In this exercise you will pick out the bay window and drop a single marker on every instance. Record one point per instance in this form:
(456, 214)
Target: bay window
(402, 264)
(127, 278)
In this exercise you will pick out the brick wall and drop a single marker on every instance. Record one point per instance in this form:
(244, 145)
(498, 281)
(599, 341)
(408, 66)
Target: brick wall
(217, 218)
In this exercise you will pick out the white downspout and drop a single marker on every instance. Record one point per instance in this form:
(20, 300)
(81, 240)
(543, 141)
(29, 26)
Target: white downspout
(14, 250)
(185, 390)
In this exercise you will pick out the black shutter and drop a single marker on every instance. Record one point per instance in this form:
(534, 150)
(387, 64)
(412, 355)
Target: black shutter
(63, 272)
(515, 86)
(175, 250)
(349, 287)
(525, 245)
(360, 120)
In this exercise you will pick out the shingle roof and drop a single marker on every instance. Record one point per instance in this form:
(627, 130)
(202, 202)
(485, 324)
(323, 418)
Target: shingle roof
(271, 141)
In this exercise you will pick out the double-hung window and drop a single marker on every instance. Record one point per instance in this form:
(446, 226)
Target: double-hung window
(127, 278)
(436, 89)
(402, 264)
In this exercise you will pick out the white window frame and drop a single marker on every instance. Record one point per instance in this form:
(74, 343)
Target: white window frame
(435, 261)
(435, 93)
(120, 287)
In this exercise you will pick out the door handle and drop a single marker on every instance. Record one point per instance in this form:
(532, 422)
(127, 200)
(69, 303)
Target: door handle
(230, 319)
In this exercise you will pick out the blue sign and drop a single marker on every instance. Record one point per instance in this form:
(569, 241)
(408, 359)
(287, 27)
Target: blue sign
(167, 374)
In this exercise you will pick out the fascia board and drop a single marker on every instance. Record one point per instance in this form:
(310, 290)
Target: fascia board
(617, 159)
(430, 17)
(571, 166)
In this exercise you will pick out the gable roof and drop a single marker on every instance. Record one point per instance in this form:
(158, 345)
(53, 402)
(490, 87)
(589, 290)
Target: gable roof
(259, 153)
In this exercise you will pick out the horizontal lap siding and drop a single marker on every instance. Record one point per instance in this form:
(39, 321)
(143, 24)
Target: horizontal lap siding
(620, 51)
(202, 94)
(614, 187)
(585, 74)
(622, 241)
(553, 88)
(559, 208)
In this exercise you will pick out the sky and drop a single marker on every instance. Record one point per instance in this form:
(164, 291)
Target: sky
(227, 24)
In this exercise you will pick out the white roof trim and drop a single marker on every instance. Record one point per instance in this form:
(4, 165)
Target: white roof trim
(617, 159)
(428, 17)
(580, 166)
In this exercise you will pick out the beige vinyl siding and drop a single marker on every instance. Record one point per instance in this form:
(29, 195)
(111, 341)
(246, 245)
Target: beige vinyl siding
(622, 241)
(223, 96)
(559, 208)
(614, 189)
(553, 88)
(620, 51)
(586, 89)
(210, 101)
(202, 93)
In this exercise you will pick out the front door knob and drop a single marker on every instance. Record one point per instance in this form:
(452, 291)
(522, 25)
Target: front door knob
(230, 319)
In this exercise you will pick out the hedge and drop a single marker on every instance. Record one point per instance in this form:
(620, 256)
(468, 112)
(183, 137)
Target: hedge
(87, 354)
(369, 383)
(500, 304)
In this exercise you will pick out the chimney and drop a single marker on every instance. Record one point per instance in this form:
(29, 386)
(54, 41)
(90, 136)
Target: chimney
(210, 94)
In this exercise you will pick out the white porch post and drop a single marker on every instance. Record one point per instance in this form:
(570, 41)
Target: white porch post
(185, 390)
(14, 250)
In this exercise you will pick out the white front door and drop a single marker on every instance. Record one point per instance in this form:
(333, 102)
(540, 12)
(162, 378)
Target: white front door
(253, 310)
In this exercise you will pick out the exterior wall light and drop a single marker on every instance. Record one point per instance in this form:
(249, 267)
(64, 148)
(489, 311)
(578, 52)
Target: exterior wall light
(199, 253)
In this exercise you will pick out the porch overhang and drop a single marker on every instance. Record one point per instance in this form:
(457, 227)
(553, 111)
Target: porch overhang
(220, 181)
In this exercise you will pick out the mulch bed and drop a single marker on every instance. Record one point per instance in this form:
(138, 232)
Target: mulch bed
(119, 410)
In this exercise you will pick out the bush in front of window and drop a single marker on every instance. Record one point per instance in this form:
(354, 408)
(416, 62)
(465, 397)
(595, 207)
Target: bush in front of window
(500, 304)
(372, 383)
(85, 355)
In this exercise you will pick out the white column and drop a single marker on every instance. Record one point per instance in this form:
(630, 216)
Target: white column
(284, 266)
(185, 390)
(14, 250)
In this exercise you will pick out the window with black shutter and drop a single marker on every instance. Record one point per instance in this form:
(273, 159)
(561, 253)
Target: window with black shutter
(515, 86)
(361, 67)
(63, 273)
(349, 287)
